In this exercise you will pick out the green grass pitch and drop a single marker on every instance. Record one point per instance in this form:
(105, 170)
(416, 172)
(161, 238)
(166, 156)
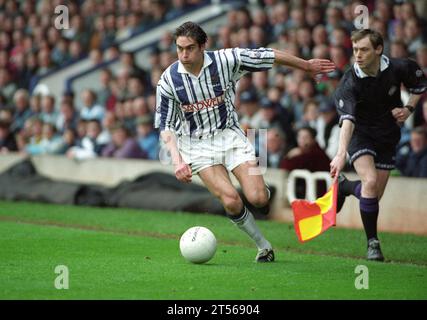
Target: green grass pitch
(133, 254)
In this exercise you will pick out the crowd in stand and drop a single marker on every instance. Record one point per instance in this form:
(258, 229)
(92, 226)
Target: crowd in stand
(117, 120)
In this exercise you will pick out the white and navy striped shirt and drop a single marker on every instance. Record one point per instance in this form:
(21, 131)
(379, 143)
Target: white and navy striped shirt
(201, 106)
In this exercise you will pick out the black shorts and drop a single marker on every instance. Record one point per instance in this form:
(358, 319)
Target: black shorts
(383, 150)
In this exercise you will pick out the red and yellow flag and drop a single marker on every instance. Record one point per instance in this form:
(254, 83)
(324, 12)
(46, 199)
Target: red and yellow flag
(313, 218)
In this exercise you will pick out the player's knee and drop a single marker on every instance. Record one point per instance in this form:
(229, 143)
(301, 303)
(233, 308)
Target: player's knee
(258, 198)
(369, 185)
(231, 202)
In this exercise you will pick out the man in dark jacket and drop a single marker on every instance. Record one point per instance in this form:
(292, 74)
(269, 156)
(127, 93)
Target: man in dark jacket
(7, 139)
(414, 162)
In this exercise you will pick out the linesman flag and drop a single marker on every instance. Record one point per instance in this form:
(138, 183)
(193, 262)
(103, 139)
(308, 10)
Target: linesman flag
(313, 218)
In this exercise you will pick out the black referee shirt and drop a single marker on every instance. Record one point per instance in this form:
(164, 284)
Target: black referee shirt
(368, 101)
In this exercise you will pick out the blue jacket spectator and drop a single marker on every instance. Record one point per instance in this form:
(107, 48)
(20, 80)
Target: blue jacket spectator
(51, 143)
(91, 110)
(148, 138)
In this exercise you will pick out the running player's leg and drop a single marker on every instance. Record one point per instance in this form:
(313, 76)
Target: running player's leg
(218, 182)
(382, 179)
(257, 194)
(369, 207)
(253, 185)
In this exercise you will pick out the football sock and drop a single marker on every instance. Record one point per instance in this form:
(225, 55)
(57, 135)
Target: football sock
(369, 209)
(246, 222)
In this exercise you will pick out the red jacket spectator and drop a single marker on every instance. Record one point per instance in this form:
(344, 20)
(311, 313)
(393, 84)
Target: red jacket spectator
(307, 155)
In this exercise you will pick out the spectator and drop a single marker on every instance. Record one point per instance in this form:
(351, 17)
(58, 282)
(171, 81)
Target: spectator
(310, 114)
(69, 140)
(45, 63)
(148, 137)
(95, 56)
(422, 57)
(124, 30)
(104, 93)
(412, 161)
(127, 60)
(91, 109)
(108, 123)
(7, 138)
(90, 146)
(179, 7)
(327, 127)
(398, 49)
(274, 116)
(112, 53)
(80, 132)
(60, 54)
(339, 57)
(31, 136)
(122, 145)
(49, 113)
(135, 88)
(260, 82)
(307, 155)
(22, 110)
(68, 117)
(320, 35)
(76, 51)
(306, 91)
(7, 86)
(139, 107)
(51, 143)
(276, 147)
(249, 110)
(413, 35)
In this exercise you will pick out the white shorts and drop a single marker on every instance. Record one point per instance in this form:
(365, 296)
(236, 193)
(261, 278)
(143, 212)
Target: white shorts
(228, 147)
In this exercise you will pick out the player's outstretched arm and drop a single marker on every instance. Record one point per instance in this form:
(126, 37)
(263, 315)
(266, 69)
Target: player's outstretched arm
(338, 162)
(182, 169)
(313, 66)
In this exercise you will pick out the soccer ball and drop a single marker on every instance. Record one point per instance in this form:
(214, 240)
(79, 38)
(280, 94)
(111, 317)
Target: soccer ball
(198, 245)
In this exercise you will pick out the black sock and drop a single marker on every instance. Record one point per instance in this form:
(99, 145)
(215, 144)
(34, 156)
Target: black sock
(351, 187)
(369, 212)
(241, 216)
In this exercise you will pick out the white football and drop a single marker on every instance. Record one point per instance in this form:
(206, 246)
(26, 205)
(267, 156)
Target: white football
(198, 245)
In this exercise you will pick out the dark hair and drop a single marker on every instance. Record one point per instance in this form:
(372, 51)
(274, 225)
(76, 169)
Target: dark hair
(96, 121)
(4, 124)
(312, 131)
(421, 130)
(374, 37)
(191, 30)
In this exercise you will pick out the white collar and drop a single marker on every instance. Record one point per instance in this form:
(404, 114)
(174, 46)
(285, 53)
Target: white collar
(206, 62)
(384, 63)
